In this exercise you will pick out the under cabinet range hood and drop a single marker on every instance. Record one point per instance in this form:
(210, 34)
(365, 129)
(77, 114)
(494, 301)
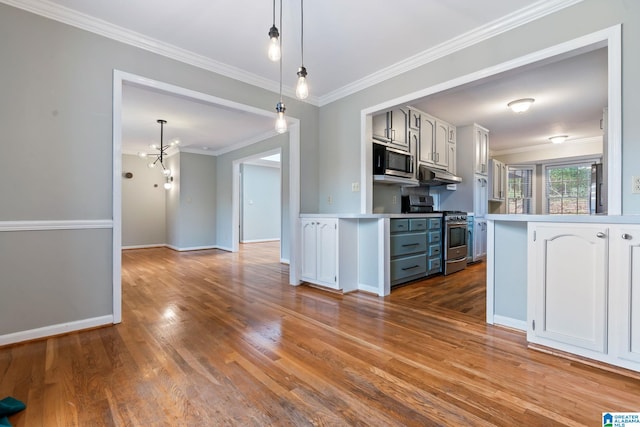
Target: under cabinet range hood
(432, 176)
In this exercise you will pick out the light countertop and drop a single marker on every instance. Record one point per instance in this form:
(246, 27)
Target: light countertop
(585, 219)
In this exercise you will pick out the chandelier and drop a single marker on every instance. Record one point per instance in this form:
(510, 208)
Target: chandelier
(160, 155)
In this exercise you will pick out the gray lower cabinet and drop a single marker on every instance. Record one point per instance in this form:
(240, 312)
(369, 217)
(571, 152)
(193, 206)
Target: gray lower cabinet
(434, 242)
(415, 248)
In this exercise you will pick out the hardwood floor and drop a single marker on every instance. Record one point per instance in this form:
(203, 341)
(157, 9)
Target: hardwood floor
(211, 338)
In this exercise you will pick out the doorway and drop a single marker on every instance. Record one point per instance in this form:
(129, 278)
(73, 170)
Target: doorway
(293, 179)
(258, 200)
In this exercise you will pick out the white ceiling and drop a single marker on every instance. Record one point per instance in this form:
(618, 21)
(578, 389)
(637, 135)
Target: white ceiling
(348, 45)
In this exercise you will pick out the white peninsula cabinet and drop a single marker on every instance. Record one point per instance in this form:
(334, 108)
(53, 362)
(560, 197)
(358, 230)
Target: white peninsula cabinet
(583, 290)
(568, 299)
(625, 298)
(326, 252)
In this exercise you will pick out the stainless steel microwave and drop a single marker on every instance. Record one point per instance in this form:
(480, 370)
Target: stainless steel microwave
(389, 161)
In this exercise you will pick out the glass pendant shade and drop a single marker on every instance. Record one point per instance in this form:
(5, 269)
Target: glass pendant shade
(281, 122)
(142, 155)
(274, 44)
(167, 186)
(302, 89)
(151, 165)
(166, 172)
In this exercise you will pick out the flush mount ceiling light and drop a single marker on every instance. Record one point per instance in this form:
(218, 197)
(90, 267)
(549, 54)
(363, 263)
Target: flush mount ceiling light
(520, 105)
(275, 49)
(558, 139)
(159, 156)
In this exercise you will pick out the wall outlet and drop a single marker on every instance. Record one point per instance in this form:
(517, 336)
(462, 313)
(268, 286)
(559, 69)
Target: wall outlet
(394, 201)
(355, 187)
(330, 200)
(635, 184)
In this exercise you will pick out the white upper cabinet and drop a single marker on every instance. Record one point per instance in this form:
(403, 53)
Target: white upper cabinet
(481, 149)
(497, 181)
(391, 127)
(427, 140)
(480, 192)
(436, 137)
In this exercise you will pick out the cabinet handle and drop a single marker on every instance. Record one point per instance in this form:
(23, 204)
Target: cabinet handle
(411, 268)
(626, 236)
(601, 235)
(410, 244)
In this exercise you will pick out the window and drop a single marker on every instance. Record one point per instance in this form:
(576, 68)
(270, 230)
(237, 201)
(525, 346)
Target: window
(520, 190)
(567, 188)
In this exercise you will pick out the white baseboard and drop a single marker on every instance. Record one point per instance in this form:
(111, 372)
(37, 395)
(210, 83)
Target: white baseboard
(159, 245)
(510, 322)
(48, 331)
(368, 288)
(260, 240)
(192, 248)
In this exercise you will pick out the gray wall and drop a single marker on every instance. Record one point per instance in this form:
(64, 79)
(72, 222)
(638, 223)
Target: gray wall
(143, 204)
(197, 193)
(224, 177)
(260, 204)
(172, 206)
(56, 120)
(340, 120)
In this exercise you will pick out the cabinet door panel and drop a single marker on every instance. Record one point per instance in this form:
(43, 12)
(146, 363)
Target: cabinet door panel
(427, 135)
(327, 253)
(571, 286)
(626, 302)
(441, 142)
(309, 250)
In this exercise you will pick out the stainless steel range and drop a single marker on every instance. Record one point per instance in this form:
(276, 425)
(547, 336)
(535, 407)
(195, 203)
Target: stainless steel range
(455, 241)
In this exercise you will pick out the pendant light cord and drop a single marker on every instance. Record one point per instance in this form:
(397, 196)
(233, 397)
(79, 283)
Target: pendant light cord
(280, 48)
(302, 32)
(274, 13)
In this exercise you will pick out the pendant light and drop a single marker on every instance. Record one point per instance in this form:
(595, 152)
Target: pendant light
(159, 157)
(302, 90)
(281, 121)
(275, 49)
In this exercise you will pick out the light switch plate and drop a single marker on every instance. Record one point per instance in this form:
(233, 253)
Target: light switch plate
(635, 184)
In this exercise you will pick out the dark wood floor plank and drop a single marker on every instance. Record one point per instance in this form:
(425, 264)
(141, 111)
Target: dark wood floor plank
(217, 338)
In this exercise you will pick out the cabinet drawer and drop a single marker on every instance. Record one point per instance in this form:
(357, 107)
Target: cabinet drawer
(397, 225)
(404, 244)
(435, 223)
(418, 224)
(434, 250)
(435, 236)
(434, 265)
(407, 267)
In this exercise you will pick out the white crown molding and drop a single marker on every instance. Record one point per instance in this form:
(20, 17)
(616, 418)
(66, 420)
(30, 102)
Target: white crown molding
(94, 25)
(86, 22)
(546, 146)
(237, 146)
(491, 29)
